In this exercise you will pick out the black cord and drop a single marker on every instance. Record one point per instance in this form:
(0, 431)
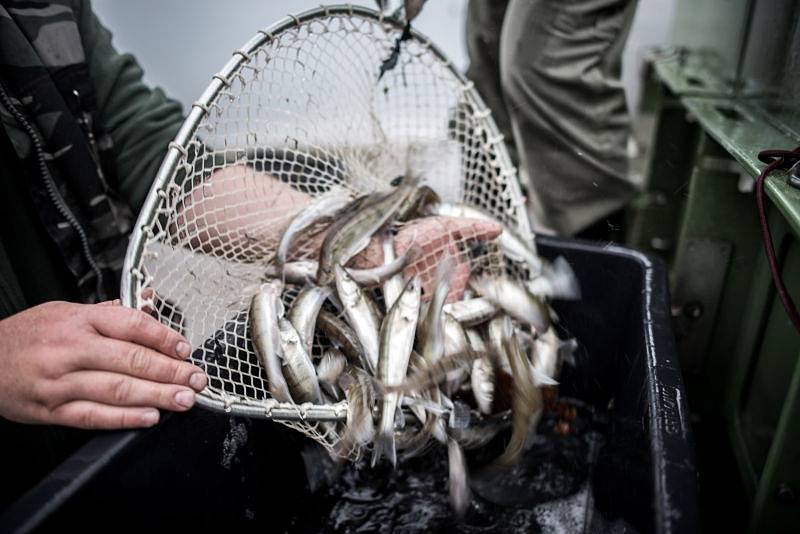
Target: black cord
(784, 160)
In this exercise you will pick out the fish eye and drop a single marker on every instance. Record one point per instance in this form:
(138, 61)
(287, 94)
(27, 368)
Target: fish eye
(396, 181)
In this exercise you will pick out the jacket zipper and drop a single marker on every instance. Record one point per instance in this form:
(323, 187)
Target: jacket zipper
(84, 119)
(52, 189)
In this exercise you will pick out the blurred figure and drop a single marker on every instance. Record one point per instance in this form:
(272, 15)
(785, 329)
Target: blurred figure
(550, 72)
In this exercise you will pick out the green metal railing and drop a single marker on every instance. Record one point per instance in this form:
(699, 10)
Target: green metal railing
(724, 95)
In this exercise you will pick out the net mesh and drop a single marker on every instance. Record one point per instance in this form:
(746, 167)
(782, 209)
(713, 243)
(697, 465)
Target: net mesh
(303, 112)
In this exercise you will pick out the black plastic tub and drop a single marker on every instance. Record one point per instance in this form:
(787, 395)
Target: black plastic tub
(205, 470)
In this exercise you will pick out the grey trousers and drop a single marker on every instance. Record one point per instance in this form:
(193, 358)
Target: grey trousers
(550, 72)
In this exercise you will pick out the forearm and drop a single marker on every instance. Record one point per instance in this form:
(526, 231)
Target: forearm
(237, 210)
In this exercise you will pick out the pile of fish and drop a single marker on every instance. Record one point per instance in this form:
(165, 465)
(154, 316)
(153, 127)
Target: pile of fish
(415, 369)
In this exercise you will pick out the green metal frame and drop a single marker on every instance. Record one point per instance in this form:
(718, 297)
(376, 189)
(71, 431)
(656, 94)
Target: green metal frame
(763, 400)
(750, 372)
(658, 210)
(729, 89)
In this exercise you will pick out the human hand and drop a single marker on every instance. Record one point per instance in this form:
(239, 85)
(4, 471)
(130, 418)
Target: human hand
(93, 366)
(438, 238)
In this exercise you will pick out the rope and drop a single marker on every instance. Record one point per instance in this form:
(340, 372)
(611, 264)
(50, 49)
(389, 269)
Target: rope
(783, 160)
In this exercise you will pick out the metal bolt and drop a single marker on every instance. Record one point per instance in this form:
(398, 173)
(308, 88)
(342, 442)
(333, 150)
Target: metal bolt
(785, 493)
(693, 310)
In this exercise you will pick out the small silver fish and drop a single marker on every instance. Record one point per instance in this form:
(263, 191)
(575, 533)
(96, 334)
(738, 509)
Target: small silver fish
(353, 233)
(460, 494)
(394, 285)
(482, 382)
(319, 210)
(416, 203)
(495, 331)
(360, 394)
(512, 245)
(414, 439)
(343, 337)
(299, 272)
(362, 314)
(298, 370)
(265, 311)
(377, 276)
(515, 299)
(397, 341)
(455, 343)
(526, 400)
(455, 338)
(304, 311)
(329, 368)
(471, 312)
(435, 373)
(556, 281)
(430, 331)
(475, 340)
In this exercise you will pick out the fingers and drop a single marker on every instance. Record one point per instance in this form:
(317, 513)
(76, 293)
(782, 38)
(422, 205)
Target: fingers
(94, 415)
(127, 324)
(141, 362)
(121, 390)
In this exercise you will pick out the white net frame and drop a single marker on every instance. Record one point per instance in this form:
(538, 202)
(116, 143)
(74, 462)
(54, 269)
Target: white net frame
(304, 95)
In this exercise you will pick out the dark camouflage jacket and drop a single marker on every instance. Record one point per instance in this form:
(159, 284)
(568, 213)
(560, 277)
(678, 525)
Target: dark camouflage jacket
(50, 111)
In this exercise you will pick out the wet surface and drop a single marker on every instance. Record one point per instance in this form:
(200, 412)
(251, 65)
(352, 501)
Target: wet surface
(548, 490)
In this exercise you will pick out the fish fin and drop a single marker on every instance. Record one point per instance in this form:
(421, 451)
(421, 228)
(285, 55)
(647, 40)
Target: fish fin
(425, 404)
(418, 411)
(541, 379)
(565, 283)
(399, 417)
(567, 350)
(384, 446)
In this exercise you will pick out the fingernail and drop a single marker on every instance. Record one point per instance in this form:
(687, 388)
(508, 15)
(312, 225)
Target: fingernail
(185, 398)
(197, 381)
(150, 417)
(183, 349)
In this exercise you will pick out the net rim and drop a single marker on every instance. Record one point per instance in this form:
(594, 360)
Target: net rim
(177, 149)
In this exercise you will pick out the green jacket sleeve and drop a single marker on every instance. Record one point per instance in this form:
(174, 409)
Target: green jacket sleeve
(140, 120)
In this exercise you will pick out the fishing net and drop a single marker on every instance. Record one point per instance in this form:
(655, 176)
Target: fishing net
(298, 110)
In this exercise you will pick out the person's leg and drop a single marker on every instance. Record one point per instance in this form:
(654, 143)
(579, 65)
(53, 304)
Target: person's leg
(560, 67)
(484, 23)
